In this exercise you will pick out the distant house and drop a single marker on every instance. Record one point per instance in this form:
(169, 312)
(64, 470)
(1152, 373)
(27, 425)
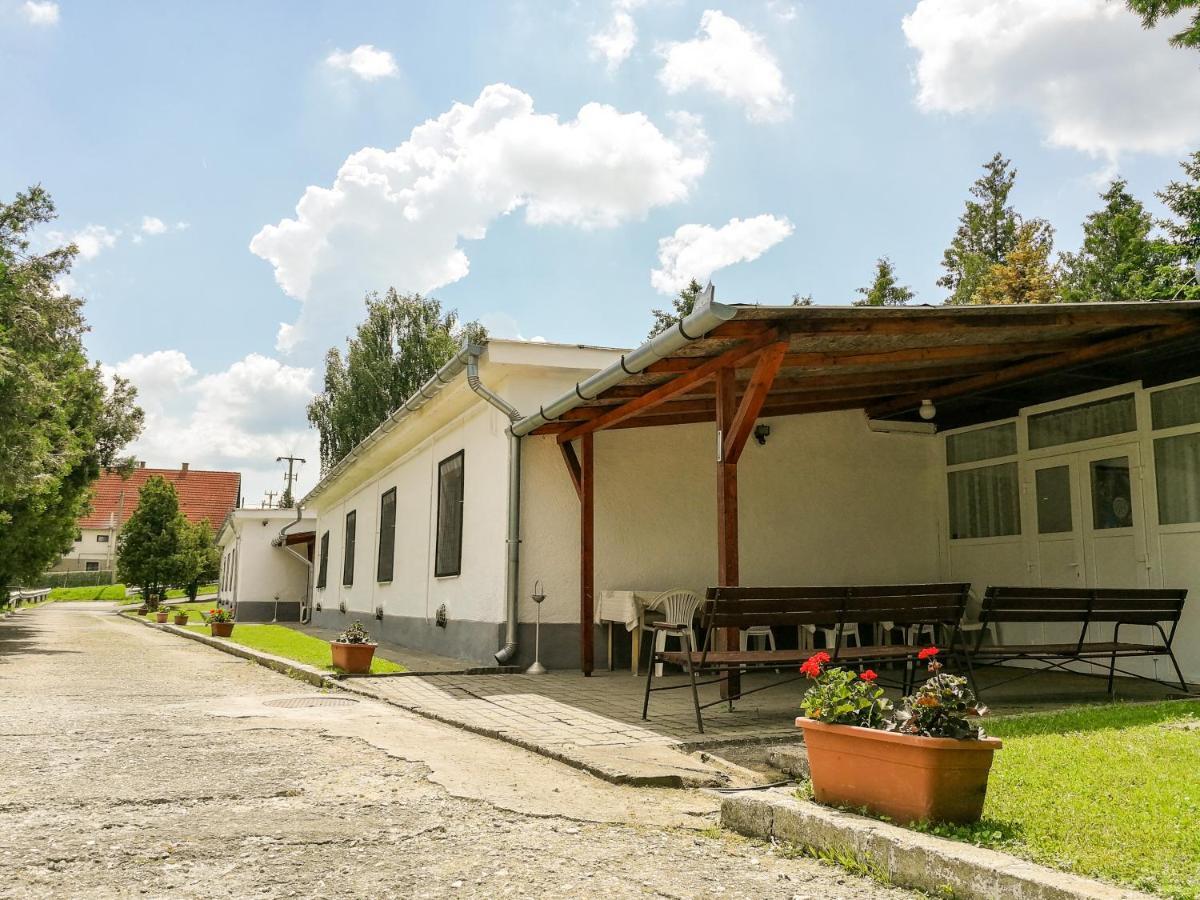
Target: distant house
(202, 495)
(266, 555)
(1051, 446)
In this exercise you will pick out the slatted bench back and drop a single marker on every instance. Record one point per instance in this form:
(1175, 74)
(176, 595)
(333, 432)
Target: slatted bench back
(911, 604)
(1133, 606)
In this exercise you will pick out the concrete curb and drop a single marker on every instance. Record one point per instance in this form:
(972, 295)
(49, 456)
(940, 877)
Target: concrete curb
(904, 857)
(319, 678)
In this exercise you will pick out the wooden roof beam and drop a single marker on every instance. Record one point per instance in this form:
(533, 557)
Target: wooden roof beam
(752, 401)
(1032, 368)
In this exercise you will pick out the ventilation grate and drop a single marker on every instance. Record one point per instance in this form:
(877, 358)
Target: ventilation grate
(302, 702)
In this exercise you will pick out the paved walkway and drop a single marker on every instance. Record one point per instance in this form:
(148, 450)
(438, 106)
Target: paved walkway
(140, 763)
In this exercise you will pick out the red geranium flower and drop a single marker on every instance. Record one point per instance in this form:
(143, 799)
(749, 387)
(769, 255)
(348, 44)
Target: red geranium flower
(928, 653)
(812, 666)
(869, 675)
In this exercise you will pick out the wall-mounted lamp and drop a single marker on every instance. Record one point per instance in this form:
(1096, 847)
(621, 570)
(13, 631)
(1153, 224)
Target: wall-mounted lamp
(927, 410)
(440, 618)
(762, 431)
(379, 612)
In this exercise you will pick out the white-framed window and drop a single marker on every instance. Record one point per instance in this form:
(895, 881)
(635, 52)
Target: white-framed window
(102, 539)
(982, 482)
(1175, 420)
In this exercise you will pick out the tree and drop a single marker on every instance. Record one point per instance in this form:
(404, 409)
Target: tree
(59, 423)
(1152, 10)
(199, 558)
(1118, 260)
(404, 340)
(1026, 275)
(1181, 246)
(987, 230)
(681, 307)
(150, 544)
(884, 290)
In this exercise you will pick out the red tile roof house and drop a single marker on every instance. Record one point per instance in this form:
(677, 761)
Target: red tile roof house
(202, 495)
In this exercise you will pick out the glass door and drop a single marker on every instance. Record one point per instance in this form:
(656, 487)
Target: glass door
(1058, 550)
(1114, 523)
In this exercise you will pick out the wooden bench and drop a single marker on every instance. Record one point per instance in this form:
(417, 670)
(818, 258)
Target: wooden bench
(844, 607)
(1082, 609)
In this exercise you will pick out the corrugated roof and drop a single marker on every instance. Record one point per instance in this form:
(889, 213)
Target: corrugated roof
(202, 495)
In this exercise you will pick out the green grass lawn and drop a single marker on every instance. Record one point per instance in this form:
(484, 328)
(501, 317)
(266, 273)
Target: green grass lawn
(193, 610)
(287, 642)
(99, 592)
(1109, 792)
(176, 593)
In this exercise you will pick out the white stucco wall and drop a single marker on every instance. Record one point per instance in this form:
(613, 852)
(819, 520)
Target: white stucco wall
(260, 572)
(826, 500)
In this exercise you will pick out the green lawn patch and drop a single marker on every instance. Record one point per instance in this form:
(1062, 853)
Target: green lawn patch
(194, 610)
(97, 592)
(176, 593)
(291, 644)
(1110, 792)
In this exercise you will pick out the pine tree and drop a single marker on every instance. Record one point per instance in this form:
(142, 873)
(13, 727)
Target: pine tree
(1026, 275)
(1181, 246)
(681, 307)
(1118, 260)
(1152, 10)
(884, 290)
(986, 232)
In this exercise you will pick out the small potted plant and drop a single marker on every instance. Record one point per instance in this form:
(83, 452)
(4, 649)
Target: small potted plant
(352, 651)
(918, 760)
(181, 617)
(160, 616)
(220, 622)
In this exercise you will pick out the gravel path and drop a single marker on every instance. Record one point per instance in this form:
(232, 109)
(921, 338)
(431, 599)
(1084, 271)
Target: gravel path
(140, 764)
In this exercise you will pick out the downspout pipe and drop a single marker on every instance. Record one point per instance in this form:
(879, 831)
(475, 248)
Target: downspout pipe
(512, 538)
(281, 541)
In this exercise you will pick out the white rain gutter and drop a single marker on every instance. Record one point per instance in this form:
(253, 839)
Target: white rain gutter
(705, 316)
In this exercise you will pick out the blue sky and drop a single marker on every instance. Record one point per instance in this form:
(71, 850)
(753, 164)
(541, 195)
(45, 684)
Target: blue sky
(171, 135)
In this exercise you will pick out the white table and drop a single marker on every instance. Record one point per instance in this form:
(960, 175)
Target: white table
(629, 608)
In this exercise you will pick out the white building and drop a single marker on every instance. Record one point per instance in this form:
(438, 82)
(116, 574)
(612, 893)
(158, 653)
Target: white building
(266, 555)
(1063, 450)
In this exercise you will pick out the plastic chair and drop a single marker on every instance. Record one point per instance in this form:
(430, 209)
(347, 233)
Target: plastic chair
(757, 633)
(677, 607)
(849, 634)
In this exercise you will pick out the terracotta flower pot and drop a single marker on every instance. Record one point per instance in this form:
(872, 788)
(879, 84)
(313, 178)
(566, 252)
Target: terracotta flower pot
(142, 611)
(160, 618)
(220, 629)
(902, 776)
(352, 658)
(181, 619)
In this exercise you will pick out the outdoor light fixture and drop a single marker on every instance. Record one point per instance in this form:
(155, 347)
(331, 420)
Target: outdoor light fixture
(537, 597)
(761, 433)
(927, 410)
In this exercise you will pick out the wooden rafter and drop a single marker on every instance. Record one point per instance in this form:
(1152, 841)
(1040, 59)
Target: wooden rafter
(573, 467)
(752, 401)
(1030, 368)
(672, 388)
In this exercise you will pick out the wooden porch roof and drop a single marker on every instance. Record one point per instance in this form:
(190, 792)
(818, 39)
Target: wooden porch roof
(975, 363)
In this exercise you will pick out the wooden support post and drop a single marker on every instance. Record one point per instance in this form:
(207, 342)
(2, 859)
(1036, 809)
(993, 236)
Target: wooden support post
(587, 546)
(727, 515)
(573, 469)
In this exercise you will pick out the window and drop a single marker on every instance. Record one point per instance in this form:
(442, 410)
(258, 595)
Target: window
(1176, 406)
(448, 559)
(982, 443)
(102, 539)
(323, 568)
(1115, 415)
(348, 558)
(91, 567)
(387, 536)
(1177, 474)
(1053, 487)
(985, 502)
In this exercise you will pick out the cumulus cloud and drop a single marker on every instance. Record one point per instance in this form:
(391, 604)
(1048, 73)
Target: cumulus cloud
(616, 41)
(400, 217)
(92, 240)
(153, 225)
(367, 62)
(1085, 69)
(237, 419)
(40, 13)
(732, 62)
(697, 251)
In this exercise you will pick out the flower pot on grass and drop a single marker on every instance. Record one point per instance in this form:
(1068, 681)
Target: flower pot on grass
(181, 618)
(220, 622)
(353, 651)
(142, 610)
(221, 629)
(921, 759)
(161, 617)
(908, 778)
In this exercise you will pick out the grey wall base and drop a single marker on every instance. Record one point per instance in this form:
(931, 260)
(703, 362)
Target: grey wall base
(478, 641)
(268, 610)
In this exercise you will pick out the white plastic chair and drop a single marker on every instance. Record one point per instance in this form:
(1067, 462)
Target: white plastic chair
(757, 633)
(849, 634)
(676, 607)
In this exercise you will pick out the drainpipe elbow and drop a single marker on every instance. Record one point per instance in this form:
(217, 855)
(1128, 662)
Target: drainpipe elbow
(506, 653)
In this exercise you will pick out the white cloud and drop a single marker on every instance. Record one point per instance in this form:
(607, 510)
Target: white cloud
(367, 62)
(732, 62)
(40, 13)
(153, 225)
(783, 11)
(1088, 72)
(91, 240)
(399, 217)
(616, 42)
(697, 251)
(237, 419)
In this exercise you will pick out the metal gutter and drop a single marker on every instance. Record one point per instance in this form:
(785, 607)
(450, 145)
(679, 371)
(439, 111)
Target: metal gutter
(706, 316)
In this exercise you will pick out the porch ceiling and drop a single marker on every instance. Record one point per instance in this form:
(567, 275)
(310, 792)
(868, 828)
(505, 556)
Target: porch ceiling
(975, 363)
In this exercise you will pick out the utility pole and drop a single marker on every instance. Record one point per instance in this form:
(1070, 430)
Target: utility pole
(270, 495)
(290, 477)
